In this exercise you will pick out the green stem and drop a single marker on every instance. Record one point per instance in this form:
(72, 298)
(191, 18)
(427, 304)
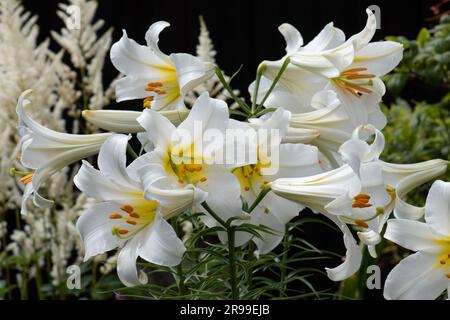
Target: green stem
(131, 152)
(38, 279)
(274, 83)
(180, 273)
(231, 250)
(232, 262)
(259, 198)
(283, 268)
(214, 215)
(259, 73)
(227, 87)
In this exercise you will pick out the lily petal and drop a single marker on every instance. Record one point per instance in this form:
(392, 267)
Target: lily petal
(410, 234)
(160, 245)
(126, 263)
(94, 227)
(292, 37)
(437, 209)
(415, 278)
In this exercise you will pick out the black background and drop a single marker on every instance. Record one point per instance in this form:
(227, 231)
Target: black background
(245, 32)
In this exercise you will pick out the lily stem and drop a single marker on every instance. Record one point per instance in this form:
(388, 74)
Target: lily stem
(231, 249)
(214, 215)
(232, 262)
(180, 273)
(227, 87)
(131, 152)
(283, 267)
(259, 198)
(274, 83)
(259, 73)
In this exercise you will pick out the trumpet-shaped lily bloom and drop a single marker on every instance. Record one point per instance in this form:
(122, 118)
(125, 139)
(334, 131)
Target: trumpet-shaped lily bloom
(331, 122)
(47, 151)
(275, 160)
(125, 121)
(316, 192)
(373, 204)
(191, 160)
(123, 217)
(352, 69)
(159, 79)
(424, 275)
(362, 192)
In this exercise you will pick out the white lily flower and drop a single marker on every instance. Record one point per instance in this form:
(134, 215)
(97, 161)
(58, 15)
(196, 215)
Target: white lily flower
(161, 80)
(47, 151)
(292, 92)
(424, 275)
(331, 123)
(352, 69)
(378, 196)
(360, 192)
(275, 160)
(123, 217)
(406, 177)
(188, 157)
(316, 192)
(125, 121)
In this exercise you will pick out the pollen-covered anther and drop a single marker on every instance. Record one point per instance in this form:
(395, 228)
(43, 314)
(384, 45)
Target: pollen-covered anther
(127, 208)
(154, 84)
(134, 215)
(361, 201)
(115, 216)
(194, 168)
(131, 222)
(148, 102)
(442, 262)
(27, 179)
(122, 231)
(246, 188)
(448, 275)
(360, 204)
(203, 179)
(362, 223)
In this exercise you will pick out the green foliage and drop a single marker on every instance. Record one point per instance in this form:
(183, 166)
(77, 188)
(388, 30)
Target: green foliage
(419, 118)
(426, 60)
(205, 270)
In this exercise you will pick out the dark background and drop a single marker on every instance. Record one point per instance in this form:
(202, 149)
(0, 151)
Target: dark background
(245, 32)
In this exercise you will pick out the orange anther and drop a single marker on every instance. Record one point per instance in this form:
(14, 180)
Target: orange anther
(154, 84)
(362, 223)
(115, 216)
(127, 208)
(122, 231)
(26, 179)
(134, 215)
(203, 179)
(131, 222)
(361, 196)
